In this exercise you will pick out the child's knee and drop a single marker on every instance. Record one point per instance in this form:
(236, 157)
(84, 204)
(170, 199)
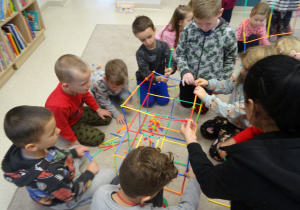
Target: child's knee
(106, 121)
(162, 101)
(150, 102)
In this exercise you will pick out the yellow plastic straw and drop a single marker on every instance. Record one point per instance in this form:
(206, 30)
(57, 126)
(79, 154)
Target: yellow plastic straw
(218, 203)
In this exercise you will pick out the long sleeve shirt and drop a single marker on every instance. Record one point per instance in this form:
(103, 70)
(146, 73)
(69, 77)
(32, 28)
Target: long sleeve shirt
(154, 60)
(259, 31)
(102, 93)
(247, 134)
(50, 180)
(284, 5)
(189, 200)
(68, 109)
(234, 110)
(207, 55)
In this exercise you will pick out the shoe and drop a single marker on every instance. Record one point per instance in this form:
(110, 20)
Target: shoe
(213, 152)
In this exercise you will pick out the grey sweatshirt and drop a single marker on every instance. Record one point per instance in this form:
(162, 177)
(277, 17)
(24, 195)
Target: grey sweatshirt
(189, 201)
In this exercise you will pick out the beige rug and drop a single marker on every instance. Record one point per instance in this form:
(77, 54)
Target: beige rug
(117, 41)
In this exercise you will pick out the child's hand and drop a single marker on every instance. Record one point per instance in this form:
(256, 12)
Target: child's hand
(190, 173)
(102, 113)
(164, 79)
(81, 149)
(187, 129)
(228, 142)
(202, 83)
(120, 119)
(200, 92)
(188, 79)
(93, 167)
(168, 72)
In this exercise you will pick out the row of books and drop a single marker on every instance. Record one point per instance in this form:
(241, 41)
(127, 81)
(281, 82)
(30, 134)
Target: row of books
(5, 59)
(7, 7)
(15, 38)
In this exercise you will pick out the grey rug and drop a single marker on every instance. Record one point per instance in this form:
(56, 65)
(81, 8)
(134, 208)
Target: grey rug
(117, 41)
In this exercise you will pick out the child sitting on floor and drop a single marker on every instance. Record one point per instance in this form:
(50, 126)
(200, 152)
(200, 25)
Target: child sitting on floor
(110, 85)
(233, 117)
(66, 102)
(50, 175)
(170, 33)
(254, 27)
(143, 174)
(153, 55)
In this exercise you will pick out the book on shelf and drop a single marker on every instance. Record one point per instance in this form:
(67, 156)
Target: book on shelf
(7, 7)
(10, 28)
(5, 59)
(31, 32)
(23, 3)
(12, 43)
(33, 19)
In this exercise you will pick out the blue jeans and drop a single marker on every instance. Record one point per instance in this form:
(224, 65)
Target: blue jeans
(160, 88)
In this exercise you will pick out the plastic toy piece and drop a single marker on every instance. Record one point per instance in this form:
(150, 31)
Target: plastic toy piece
(88, 155)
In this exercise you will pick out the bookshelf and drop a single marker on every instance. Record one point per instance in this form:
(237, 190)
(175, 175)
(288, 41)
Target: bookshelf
(30, 39)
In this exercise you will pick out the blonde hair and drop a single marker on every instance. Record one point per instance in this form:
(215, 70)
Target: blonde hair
(287, 44)
(116, 72)
(254, 54)
(67, 64)
(260, 8)
(203, 9)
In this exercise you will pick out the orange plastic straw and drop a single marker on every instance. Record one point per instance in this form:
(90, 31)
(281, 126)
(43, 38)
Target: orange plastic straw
(172, 191)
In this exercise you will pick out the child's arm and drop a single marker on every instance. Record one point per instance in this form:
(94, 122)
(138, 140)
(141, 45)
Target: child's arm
(143, 65)
(222, 87)
(181, 53)
(103, 99)
(262, 32)
(92, 103)
(230, 52)
(231, 111)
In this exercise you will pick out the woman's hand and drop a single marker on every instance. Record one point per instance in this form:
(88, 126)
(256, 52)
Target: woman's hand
(188, 131)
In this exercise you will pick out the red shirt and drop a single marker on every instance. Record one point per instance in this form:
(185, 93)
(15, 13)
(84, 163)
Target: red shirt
(67, 109)
(228, 4)
(247, 134)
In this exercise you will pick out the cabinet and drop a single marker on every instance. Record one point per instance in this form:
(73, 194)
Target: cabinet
(32, 40)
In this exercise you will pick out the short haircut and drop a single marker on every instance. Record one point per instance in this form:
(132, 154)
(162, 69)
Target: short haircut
(145, 171)
(25, 124)
(67, 64)
(260, 8)
(286, 44)
(272, 82)
(204, 9)
(116, 72)
(141, 23)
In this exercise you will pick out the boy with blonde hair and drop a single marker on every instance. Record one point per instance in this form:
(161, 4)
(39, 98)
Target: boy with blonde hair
(143, 174)
(66, 102)
(110, 85)
(50, 175)
(207, 48)
(153, 55)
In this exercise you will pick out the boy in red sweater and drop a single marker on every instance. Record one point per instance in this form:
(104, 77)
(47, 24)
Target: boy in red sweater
(66, 102)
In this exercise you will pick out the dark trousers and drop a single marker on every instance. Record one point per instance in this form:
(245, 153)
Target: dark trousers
(227, 14)
(251, 44)
(281, 20)
(187, 94)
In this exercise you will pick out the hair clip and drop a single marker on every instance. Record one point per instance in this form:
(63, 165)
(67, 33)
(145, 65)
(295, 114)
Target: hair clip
(294, 54)
(181, 5)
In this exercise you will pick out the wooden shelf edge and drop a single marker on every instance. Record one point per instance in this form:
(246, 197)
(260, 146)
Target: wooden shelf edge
(8, 19)
(6, 74)
(20, 59)
(25, 7)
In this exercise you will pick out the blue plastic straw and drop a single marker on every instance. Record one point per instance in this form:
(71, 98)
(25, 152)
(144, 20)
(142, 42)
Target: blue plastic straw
(88, 155)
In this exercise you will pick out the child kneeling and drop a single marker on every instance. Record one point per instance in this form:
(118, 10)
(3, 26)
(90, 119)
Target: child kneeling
(143, 174)
(51, 175)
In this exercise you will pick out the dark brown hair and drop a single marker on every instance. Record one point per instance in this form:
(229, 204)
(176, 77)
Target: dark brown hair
(26, 124)
(141, 23)
(145, 171)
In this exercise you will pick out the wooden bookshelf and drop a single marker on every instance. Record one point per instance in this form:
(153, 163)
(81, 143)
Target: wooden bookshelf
(17, 19)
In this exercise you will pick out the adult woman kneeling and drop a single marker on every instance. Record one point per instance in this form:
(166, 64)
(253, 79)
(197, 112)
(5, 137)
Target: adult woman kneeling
(263, 173)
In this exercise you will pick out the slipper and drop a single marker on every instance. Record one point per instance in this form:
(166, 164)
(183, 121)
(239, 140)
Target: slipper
(213, 152)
